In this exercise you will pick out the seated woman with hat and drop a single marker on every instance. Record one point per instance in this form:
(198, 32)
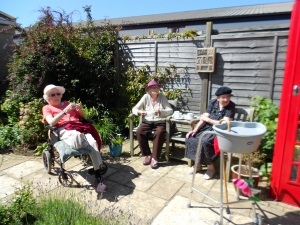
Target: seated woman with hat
(66, 117)
(219, 108)
(154, 108)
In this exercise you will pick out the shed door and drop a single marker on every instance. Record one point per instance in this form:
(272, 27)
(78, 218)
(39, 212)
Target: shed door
(285, 181)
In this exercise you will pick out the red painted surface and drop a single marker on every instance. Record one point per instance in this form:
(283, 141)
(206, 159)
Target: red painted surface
(283, 187)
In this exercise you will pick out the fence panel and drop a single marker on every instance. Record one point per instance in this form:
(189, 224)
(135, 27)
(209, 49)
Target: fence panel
(250, 63)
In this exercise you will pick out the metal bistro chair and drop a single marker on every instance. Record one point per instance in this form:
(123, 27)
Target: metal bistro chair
(132, 129)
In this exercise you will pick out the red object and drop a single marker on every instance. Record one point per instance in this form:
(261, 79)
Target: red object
(216, 146)
(243, 186)
(85, 128)
(285, 177)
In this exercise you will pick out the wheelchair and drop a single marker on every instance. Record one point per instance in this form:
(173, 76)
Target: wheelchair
(51, 155)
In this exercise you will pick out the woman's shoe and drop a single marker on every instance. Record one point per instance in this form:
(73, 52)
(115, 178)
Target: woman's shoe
(191, 170)
(154, 164)
(209, 174)
(147, 160)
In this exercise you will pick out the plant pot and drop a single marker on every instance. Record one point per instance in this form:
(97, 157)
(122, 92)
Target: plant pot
(256, 174)
(115, 150)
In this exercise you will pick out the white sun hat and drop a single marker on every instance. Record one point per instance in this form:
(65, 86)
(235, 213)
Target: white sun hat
(50, 87)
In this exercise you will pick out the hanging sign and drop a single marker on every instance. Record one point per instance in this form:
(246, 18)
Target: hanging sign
(205, 60)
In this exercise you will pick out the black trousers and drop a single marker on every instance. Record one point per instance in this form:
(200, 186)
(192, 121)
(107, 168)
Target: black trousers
(144, 130)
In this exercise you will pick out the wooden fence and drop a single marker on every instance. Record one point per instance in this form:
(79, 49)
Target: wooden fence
(251, 63)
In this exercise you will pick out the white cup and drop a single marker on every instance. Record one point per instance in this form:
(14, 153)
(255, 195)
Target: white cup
(150, 113)
(177, 115)
(190, 116)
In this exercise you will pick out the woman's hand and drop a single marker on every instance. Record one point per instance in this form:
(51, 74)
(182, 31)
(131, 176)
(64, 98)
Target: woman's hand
(142, 113)
(69, 107)
(157, 112)
(78, 107)
(191, 133)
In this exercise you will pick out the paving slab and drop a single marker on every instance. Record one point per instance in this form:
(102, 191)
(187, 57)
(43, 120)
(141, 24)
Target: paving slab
(7, 162)
(123, 177)
(8, 185)
(185, 191)
(149, 177)
(23, 169)
(143, 206)
(165, 188)
(177, 212)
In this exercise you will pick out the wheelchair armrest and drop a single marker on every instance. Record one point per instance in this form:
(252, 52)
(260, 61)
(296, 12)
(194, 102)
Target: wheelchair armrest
(87, 121)
(51, 128)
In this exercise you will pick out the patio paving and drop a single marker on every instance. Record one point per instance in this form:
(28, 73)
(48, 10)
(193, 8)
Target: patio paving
(150, 196)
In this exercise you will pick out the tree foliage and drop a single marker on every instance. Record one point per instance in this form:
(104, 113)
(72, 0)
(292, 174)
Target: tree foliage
(79, 57)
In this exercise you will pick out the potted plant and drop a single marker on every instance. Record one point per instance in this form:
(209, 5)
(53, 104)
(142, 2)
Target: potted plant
(256, 160)
(115, 146)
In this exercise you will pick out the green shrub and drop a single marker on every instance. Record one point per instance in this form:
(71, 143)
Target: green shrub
(32, 129)
(11, 108)
(40, 148)
(23, 124)
(106, 128)
(10, 135)
(266, 112)
(21, 207)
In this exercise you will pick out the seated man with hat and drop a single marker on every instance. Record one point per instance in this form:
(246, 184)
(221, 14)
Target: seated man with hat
(219, 108)
(154, 108)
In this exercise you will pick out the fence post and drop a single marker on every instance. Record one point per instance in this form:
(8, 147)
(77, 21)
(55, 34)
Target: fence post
(205, 76)
(275, 48)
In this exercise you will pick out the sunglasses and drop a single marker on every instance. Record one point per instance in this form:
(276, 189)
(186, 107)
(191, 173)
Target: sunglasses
(52, 95)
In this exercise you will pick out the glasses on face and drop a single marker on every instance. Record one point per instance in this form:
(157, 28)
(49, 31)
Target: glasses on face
(154, 87)
(53, 94)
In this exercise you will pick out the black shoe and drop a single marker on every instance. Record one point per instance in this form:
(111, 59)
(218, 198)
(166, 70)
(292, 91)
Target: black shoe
(102, 168)
(91, 171)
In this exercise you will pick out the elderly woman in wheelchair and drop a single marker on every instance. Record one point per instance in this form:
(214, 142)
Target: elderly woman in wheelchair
(68, 132)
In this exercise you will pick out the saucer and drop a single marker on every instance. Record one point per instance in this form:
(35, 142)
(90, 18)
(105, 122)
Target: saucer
(177, 118)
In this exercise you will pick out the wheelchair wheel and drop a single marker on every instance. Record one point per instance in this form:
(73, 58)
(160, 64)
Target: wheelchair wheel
(86, 158)
(47, 160)
(65, 179)
(103, 168)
